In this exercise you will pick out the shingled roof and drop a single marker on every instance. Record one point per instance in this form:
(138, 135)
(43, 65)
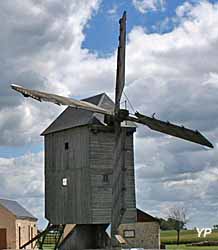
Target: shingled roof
(72, 117)
(16, 209)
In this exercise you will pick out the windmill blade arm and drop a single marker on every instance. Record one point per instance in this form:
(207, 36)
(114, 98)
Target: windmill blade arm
(60, 100)
(171, 129)
(120, 77)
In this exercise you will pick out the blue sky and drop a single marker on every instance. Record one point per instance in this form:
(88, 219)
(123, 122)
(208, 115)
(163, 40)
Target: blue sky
(8, 152)
(172, 70)
(101, 37)
(101, 31)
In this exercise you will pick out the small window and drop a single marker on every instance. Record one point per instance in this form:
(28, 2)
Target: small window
(66, 145)
(129, 233)
(105, 178)
(64, 182)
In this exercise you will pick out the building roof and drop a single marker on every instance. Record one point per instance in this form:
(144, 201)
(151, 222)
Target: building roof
(16, 209)
(72, 117)
(145, 217)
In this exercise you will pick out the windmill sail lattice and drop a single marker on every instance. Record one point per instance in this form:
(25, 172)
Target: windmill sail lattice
(59, 100)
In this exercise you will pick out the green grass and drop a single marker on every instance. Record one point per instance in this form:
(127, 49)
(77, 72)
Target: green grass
(187, 236)
(184, 247)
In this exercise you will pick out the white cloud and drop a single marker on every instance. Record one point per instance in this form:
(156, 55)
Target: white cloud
(41, 46)
(113, 10)
(183, 10)
(171, 69)
(21, 179)
(175, 75)
(172, 74)
(144, 6)
(212, 79)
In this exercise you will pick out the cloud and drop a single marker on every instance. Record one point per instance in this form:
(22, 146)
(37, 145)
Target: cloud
(113, 10)
(184, 10)
(173, 74)
(144, 6)
(171, 69)
(38, 36)
(195, 191)
(21, 179)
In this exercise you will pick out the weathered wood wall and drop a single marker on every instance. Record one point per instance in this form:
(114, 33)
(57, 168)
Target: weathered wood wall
(101, 161)
(67, 204)
(87, 165)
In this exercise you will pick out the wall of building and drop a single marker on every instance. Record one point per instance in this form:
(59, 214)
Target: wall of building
(69, 204)
(147, 234)
(102, 142)
(28, 230)
(7, 220)
(86, 199)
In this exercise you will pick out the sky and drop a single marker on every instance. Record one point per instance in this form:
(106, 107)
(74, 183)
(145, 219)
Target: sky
(69, 48)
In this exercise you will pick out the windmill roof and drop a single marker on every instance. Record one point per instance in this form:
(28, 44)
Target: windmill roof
(72, 117)
(16, 209)
(142, 216)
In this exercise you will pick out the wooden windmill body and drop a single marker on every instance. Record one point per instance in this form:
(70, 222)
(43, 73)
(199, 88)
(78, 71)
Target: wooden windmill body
(89, 167)
(79, 167)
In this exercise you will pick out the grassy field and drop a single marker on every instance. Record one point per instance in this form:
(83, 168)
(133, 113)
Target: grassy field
(187, 236)
(184, 247)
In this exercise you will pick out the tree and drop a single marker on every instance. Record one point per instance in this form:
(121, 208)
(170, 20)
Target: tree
(178, 217)
(167, 224)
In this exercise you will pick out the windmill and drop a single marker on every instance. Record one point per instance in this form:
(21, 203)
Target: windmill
(114, 119)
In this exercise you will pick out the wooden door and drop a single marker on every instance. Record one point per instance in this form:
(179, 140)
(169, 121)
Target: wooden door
(3, 238)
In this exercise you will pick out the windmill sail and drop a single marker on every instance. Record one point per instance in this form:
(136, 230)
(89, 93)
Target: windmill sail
(171, 129)
(59, 100)
(119, 170)
(120, 77)
(118, 198)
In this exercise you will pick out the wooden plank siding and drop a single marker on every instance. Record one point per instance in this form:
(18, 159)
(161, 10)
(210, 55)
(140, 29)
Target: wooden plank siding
(86, 164)
(67, 204)
(101, 162)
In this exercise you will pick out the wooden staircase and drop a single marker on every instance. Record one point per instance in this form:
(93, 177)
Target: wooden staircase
(49, 239)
